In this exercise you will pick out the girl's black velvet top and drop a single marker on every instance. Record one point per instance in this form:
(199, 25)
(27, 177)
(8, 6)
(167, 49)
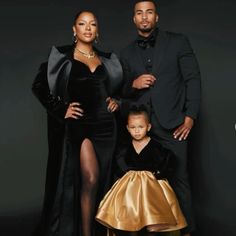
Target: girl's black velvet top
(153, 157)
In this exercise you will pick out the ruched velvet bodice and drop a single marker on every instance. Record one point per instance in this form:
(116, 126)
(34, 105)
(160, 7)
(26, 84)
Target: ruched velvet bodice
(88, 88)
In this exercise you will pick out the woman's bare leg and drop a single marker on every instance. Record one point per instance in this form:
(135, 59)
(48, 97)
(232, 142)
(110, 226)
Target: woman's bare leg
(89, 185)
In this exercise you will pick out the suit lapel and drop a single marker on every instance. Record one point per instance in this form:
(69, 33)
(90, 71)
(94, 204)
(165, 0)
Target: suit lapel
(159, 51)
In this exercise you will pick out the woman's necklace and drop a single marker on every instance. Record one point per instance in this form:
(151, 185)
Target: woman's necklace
(89, 55)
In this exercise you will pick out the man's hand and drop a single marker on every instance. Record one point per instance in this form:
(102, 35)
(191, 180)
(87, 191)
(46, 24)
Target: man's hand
(182, 132)
(144, 81)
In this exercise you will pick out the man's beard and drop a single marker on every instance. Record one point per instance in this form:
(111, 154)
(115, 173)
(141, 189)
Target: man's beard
(146, 30)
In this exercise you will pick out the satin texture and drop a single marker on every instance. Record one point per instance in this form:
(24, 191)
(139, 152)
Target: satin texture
(139, 200)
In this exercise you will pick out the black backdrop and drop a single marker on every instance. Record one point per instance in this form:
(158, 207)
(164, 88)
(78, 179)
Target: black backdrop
(30, 27)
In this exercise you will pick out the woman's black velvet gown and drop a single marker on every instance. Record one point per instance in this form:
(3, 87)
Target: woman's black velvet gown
(98, 125)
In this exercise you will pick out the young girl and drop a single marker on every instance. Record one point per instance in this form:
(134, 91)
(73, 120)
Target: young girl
(141, 202)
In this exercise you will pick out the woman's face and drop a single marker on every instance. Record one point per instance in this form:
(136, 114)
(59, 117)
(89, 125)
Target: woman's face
(85, 27)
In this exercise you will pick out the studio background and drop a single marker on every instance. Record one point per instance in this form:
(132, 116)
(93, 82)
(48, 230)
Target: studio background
(29, 29)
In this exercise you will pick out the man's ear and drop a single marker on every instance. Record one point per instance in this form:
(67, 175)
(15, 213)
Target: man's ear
(149, 126)
(157, 18)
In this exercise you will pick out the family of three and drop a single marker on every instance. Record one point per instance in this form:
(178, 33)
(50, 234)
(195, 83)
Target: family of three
(95, 183)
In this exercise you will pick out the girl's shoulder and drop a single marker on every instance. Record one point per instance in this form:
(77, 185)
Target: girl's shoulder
(159, 150)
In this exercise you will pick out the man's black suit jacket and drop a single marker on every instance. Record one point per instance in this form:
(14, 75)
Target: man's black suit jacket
(176, 92)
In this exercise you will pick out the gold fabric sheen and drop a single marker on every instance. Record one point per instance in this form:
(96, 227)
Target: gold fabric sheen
(139, 200)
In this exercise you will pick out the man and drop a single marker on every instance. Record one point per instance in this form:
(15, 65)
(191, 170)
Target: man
(161, 71)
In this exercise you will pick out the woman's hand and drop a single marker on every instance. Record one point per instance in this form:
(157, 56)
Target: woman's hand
(112, 104)
(74, 111)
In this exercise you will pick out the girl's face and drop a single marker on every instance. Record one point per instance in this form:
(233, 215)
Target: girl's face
(138, 126)
(85, 27)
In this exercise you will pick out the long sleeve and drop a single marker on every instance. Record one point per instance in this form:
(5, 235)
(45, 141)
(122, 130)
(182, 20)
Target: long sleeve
(127, 91)
(190, 71)
(166, 163)
(55, 105)
(120, 163)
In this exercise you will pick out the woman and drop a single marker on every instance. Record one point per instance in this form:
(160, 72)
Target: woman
(75, 86)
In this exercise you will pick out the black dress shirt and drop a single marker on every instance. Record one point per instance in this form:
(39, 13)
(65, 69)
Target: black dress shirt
(145, 48)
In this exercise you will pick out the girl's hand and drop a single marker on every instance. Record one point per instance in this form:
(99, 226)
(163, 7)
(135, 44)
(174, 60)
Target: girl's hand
(74, 111)
(112, 104)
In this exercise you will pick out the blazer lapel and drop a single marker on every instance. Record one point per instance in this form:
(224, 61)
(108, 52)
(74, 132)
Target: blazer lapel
(159, 51)
(59, 66)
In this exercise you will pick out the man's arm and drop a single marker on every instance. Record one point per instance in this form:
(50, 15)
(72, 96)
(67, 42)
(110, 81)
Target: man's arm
(132, 85)
(127, 90)
(192, 79)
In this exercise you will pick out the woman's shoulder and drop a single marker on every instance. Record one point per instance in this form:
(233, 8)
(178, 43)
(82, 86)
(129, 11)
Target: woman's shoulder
(113, 68)
(102, 53)
(110, 59)
(70, 47)
(60, 51)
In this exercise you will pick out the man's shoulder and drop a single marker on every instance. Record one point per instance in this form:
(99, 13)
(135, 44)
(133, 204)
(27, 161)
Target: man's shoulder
(177, 40)
(172, 35)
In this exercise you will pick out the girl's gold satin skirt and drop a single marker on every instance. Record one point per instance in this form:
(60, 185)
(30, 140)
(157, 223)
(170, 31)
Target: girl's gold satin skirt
(139, 200)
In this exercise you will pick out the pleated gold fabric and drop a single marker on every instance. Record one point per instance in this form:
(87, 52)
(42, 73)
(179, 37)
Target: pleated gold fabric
(139, 200)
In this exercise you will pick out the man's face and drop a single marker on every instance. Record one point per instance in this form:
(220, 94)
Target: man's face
(145, 17)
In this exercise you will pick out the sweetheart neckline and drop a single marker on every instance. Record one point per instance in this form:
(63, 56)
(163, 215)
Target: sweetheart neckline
(92, 72)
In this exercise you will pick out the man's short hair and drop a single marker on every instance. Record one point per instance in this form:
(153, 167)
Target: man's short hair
(138, 1)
